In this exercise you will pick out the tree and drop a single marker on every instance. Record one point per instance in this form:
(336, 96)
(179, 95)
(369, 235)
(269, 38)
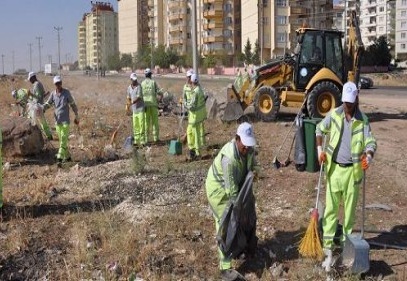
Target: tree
(209, 61)
(126, 60)
(247, 53)
(256, 53)
(113, 61)
(378, 53)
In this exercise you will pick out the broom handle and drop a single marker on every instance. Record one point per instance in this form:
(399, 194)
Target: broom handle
(362, 231)
(320, 175)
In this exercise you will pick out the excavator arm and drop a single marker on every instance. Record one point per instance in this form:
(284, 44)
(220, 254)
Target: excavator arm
(354, 48)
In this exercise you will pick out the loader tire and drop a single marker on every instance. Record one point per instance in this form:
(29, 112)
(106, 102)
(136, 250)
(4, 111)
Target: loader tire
(324, 97)
(266, 104)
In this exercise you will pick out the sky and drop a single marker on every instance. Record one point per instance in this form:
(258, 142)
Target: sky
(22, 21)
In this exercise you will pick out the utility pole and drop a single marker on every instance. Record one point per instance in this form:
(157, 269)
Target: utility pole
(39, 38)
(12, 56)
(2, 62)
(59, 48)
(31, 58)
(261, 29)
(194, 38)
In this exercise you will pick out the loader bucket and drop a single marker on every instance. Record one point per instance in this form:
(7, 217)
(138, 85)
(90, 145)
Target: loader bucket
(233, 110)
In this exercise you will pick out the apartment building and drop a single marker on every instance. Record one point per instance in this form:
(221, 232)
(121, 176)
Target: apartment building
(401, 30)
(97, 36)
(133, 25)
(377, 19)
(179, 27)
(273, 23)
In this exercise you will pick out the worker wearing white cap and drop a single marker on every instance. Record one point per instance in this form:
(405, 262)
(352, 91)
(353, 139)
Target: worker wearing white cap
(196, 117)
(61, 99)
(347, 154)
(151, 94)
(37, 94)
(225, 178)
(135, 100)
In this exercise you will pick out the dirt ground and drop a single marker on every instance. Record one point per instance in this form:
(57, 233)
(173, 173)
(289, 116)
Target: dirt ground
(114, 214)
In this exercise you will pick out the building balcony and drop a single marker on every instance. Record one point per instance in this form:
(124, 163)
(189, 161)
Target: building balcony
(301, 11)
(150, 3)
(175, 4)
(175, 16)
(368, 24)
(150, 13)
(176, 41)
(371, 33)
(212, 25)
(213, 13)
(213, 39)
(212, 1)
(370, 4)
(175, 28)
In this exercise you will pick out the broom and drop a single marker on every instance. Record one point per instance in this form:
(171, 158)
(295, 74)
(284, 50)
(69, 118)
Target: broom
(310, 245)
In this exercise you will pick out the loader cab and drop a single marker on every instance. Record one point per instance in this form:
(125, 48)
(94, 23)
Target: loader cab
(318, 49)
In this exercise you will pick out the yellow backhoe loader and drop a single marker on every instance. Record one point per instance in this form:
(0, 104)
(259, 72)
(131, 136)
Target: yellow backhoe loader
(311, 79)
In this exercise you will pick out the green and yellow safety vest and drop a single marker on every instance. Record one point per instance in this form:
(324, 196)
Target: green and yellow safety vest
(361, 138)
(150, 91)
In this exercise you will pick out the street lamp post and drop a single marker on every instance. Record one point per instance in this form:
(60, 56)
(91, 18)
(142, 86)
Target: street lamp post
(59, 48)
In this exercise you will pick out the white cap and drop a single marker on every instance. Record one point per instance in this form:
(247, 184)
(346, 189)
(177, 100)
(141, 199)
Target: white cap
(147, 71)
(133, 77)
(57, 79)
(190, 72)
(194, 78)
(31, 74)
(245, 132)
(349, 92)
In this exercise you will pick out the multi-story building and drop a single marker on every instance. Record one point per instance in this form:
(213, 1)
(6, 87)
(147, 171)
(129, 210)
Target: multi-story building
(97, 36)
(221, 30)
(401, 30)
(179, 26)
(273, 23)
(133, 25)
(376, 20)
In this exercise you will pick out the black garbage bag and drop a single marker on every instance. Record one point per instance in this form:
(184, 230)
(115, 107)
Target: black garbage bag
(237, 230)
(299, 152)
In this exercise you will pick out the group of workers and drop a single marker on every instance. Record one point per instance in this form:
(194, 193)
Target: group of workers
(142, 101)
(349, 151)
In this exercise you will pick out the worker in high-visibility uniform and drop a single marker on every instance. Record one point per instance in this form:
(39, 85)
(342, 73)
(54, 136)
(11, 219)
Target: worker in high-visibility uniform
(350, 150)
(21, 96)
(225, 177)
(136, 103)
(1, 171)
(196, 117)
(37, 94)
(61, 99)
(151, 95)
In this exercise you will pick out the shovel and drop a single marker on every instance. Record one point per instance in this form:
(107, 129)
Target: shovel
(276, 163)
(288, 160)
(356, 250)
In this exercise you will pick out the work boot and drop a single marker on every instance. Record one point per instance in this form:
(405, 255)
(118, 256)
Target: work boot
(231, 275)
(192, 155)
(327, 263)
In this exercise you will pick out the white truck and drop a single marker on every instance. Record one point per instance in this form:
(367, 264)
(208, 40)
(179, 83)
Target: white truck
(51, 69)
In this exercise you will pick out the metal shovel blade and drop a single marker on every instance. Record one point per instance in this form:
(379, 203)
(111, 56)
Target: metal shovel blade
(355, 254)
(276, 163)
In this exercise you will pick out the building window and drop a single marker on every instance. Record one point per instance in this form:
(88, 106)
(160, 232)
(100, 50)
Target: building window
(281, 19)
(403, 14)
(265, 20)
(281, 37)
(403, 24)
(403, 46)
(283, 3)
(403, 2)
(381, 29)
(227, 33)
(228, 7)
(381, 9)
(403, 35)
(228, 20)
(381, 19)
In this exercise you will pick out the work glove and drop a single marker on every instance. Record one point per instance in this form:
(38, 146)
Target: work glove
(366, 161)
(321, 155)
(76, 120)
